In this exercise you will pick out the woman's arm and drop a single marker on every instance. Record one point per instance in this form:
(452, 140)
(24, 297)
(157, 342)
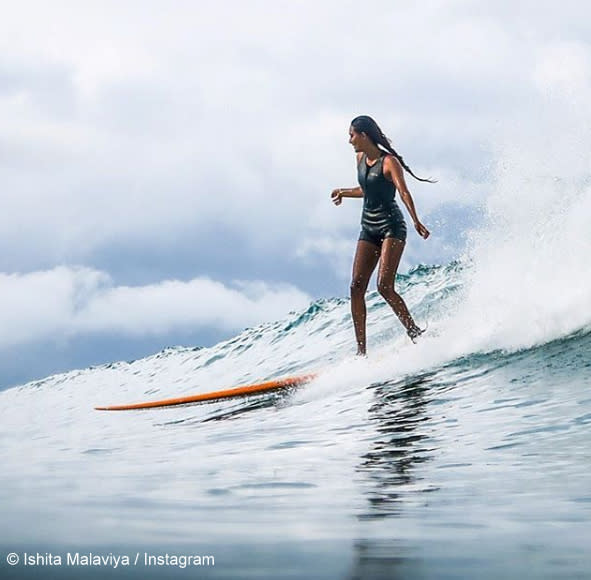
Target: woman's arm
(338, 194)
(393, 171)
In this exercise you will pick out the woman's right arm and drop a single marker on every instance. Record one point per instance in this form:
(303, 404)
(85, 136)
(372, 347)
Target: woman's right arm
(338, 194)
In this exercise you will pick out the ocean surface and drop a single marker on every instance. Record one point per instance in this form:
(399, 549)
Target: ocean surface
(431, 460)
(467, 455)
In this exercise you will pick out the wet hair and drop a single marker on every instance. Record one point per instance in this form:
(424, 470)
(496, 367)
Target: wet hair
(365, 124)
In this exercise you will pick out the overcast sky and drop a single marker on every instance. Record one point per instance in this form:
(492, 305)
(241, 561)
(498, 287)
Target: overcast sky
(166, 167)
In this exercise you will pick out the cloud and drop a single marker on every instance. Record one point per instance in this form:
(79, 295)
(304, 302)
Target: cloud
(69, 302)
(114, 133)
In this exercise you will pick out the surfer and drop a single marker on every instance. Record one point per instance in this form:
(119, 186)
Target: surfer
(383, 229)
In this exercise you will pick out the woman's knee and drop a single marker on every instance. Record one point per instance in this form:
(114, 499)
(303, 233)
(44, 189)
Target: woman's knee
(358, 287)
(386, 287)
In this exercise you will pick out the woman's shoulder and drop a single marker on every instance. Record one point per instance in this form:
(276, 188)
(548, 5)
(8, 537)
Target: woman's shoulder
(391, 160)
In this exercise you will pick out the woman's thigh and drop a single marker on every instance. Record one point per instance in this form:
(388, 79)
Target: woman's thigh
(366, 259)
(391, 253)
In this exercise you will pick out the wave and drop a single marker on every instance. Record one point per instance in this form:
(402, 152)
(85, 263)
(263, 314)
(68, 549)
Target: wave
(320, 339)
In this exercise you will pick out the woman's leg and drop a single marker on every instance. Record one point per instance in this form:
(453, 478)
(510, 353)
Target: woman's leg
(390, 259)
(366, 259)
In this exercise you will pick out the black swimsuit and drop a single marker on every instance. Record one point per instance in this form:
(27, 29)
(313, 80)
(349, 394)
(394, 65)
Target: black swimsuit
(381, 217)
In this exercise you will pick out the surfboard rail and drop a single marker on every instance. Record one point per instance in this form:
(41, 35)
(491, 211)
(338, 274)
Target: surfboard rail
(216, 395)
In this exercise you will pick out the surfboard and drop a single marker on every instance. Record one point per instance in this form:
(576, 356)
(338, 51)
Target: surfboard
(216, 395)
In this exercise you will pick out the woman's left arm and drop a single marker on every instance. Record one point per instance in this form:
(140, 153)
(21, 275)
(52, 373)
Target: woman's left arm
(393, 171)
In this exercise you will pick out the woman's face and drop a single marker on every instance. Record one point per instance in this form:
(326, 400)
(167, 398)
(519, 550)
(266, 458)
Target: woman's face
(356, 139)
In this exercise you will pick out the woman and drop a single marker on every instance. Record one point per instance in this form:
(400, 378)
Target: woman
(383, 230)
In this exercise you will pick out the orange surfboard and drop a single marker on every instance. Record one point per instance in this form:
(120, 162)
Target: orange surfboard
(216, 395)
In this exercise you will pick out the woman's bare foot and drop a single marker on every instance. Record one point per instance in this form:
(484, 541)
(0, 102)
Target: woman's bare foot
(414, 332)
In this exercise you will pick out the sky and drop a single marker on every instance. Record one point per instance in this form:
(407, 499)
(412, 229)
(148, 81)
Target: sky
(166, 168)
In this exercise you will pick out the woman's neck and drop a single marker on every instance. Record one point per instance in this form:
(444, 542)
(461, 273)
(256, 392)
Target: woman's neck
(373, 153)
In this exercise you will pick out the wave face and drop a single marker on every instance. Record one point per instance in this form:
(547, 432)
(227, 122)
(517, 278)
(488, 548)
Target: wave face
(462, 455)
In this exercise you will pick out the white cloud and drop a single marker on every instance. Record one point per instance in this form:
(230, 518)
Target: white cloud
(67, 302)
(183, 116)
(137, 122)
(563, 69)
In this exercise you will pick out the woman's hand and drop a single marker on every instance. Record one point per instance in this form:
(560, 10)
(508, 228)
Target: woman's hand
(422, 230)
(337, 196)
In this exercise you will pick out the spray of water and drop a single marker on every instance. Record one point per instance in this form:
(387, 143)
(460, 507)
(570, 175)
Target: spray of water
(530, 280)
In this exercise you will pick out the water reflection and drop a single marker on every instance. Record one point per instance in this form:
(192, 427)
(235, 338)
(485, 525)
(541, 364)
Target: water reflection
(389, 480)
(399, 413)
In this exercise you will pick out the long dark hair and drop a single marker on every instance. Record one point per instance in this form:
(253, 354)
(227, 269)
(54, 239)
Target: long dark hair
(365, 124)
